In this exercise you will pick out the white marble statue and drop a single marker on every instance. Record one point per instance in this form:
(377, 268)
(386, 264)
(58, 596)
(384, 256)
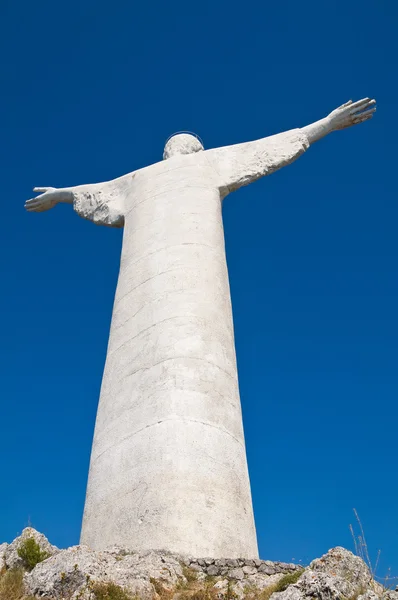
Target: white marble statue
(168, 465)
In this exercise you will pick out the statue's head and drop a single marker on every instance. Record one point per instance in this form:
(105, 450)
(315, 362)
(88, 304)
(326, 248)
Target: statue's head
(182, 143)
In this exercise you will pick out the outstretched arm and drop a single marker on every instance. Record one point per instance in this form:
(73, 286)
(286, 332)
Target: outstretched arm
(241, 164)
(102, 203)
(346, 115)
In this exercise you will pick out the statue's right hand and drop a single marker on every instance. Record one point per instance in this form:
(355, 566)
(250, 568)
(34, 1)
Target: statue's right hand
(351, 113)
(48, 198)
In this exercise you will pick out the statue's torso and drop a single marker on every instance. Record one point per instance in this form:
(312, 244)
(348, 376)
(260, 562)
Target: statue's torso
(169, 442)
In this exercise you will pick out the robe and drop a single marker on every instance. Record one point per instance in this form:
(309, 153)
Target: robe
(168, 466)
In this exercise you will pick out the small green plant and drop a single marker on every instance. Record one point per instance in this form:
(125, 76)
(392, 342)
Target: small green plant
(110, 591)
(31, 553)
(287, 580)
(254, 593)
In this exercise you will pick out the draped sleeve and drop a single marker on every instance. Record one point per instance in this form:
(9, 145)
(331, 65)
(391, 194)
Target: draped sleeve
(241, 164)
(102, 203)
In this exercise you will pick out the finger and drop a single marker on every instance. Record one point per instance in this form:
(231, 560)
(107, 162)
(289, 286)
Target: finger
(365, 113)
(33, 201)
(362, 119)
(346, 104)
(41, 189)
(361, 104)
(37, 208)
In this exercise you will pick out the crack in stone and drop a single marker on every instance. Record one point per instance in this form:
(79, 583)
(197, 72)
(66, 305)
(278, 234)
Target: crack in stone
(173, 418)
(126, 258)
(179, 358)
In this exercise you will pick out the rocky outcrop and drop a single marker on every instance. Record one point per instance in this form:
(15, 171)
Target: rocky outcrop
(74, 573)
(76, 569)
(337, 575)
(11, 557)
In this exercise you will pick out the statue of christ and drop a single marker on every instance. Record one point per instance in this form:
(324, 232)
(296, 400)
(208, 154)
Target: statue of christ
(168, 465)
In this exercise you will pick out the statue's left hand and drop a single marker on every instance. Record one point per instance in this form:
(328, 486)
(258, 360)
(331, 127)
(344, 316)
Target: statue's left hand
(351, 113)
(48, 199)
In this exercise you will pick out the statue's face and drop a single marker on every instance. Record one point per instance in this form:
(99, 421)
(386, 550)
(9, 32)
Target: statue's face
(182, 143)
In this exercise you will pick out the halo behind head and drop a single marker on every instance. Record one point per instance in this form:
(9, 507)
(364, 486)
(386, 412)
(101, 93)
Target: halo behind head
(182, 142)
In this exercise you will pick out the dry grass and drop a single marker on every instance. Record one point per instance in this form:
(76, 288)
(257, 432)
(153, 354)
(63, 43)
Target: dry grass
(280, 586)
(162, 592)
(110, 591)
(190, 574)
(362, 550)
(11, 585)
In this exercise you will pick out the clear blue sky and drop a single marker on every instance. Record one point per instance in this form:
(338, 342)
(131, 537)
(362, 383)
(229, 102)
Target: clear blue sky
(90, 91)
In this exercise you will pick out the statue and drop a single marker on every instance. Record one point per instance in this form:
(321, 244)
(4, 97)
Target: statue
(168, 465)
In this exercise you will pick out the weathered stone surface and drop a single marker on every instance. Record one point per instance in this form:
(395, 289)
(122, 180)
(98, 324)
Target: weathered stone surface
(343, 564)
(201, 562)
(3, 548)
(11, 558)
(73, 570)
(249, 570)
(221, 562)
(391, 594)
(233, 562)
(337, 574)
(236, 573)
(71, 573)
(257, 582)
(267, 570)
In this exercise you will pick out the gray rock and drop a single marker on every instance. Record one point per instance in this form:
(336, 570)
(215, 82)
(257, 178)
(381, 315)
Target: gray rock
(11, 557)
(249, 570)
(369, 595)
(3, 548)
(209, 561)
(250, 563)
(241, 561)
(233, 562)
(391, 594)
(236, 573)
(266, 570)
(282, 566)
(213, 571)
(221, 562)
(221, 585)
(201, 562)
